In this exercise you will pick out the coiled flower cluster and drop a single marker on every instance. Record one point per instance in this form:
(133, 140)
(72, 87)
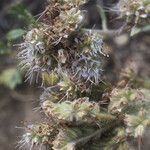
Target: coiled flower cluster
(40, 134)
(62, 44)
(79, 111)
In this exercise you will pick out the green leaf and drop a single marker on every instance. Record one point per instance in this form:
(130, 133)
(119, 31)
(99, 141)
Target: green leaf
(11, 78)
(15, 34)
(20, 12)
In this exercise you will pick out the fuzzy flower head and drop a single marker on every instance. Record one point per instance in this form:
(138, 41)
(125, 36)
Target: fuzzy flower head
(32, 52)
(128, 100)
(61, 87)
(137, 124)
(62, 45)
(92, 43)
(72, 17)
(37, 135)
(140, 9)
(38, 54)
(80, 111)
(88, 69)
(88, 62)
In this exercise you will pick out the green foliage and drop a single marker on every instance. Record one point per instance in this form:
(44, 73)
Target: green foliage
(4, 49)
(15, 34)
(11, 78)
(20, 12)
(50, 79)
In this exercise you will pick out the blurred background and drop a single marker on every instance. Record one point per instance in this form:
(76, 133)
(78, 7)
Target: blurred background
(17, 98)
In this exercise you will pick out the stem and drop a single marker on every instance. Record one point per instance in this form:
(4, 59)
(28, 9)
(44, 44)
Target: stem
(96, 134)
(103, 17)
(84, 140)
(105, 33)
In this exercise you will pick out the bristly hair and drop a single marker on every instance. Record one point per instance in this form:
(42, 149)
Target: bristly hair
(88, 69)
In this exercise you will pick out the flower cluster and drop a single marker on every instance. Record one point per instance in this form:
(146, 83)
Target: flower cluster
(137, 9)
(40, 134)
(137, 124)
(127, 99)
(79, 112)
(69, 60)
(63, 44)
(62, 87)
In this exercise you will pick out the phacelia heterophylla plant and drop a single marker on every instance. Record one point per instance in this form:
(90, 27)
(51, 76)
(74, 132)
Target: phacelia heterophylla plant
(69, 61)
